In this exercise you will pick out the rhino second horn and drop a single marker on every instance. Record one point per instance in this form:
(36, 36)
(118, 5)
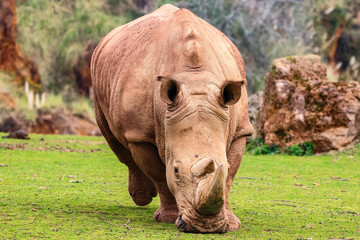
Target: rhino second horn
(209, 197)
(202, 167)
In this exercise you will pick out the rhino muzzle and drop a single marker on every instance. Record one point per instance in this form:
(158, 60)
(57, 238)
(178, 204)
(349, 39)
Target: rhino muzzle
(191, 221)
(181, 224)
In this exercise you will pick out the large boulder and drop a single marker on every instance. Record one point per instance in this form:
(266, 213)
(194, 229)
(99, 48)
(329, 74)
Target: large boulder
(13, 122)
(64, 122)
(57, 121)
(300, 104)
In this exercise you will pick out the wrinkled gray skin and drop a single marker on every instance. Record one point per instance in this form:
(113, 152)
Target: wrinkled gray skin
(170, 99)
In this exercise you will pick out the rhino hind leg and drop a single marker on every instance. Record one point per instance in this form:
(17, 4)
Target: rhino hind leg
(148, 159)
(141, 189)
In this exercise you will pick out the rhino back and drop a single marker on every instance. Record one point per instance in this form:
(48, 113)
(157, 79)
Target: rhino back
(123, 70)
(168, 41)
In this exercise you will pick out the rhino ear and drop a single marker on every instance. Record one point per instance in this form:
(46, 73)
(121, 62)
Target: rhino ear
(169, 90)
(231, 92)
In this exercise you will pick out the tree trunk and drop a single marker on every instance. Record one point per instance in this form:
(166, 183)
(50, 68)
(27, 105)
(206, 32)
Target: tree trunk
(81, 70)
(11, 59)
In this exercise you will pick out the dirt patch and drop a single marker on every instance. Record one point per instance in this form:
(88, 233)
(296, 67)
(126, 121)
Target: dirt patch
(89, 143)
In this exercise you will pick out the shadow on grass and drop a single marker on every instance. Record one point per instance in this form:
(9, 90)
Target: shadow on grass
(116, 215)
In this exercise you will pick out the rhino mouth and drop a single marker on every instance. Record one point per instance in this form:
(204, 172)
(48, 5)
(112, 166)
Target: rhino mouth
(195, 222)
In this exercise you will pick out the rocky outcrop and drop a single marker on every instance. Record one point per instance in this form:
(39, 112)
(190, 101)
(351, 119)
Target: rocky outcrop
(7, 101)
(255, 101)
(300, 104)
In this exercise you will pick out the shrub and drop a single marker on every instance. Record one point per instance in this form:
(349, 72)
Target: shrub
(294, 150)
(253, 143)
(258, 147)
(308, 148)
(263, 149)
(304, 148)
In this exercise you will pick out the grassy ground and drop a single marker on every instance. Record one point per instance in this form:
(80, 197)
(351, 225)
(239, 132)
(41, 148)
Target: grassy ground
(69, 187)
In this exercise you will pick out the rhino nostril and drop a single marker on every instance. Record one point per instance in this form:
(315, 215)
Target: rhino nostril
(180, 224)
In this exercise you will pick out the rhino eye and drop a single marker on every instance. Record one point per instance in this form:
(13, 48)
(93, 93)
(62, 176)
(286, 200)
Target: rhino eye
(176, 170)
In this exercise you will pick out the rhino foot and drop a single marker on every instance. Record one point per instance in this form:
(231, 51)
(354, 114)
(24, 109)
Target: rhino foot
(167, 214)
(234, 222)
(141, 189)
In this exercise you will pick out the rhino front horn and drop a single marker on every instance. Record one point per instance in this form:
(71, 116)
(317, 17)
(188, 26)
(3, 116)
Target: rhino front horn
(209, 195)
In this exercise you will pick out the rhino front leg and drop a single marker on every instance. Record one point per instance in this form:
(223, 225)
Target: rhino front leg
(234, 156)
(147, 158)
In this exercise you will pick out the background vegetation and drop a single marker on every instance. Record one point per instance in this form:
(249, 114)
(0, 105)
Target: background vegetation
(55, 33)
(68, 187)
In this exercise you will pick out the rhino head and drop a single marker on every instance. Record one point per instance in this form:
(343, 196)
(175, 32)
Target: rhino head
(197, 125)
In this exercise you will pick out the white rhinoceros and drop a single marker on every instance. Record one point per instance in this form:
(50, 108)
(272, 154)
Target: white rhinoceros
(170, 99)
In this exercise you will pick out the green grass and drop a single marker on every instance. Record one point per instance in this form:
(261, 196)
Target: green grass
(274, 196)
